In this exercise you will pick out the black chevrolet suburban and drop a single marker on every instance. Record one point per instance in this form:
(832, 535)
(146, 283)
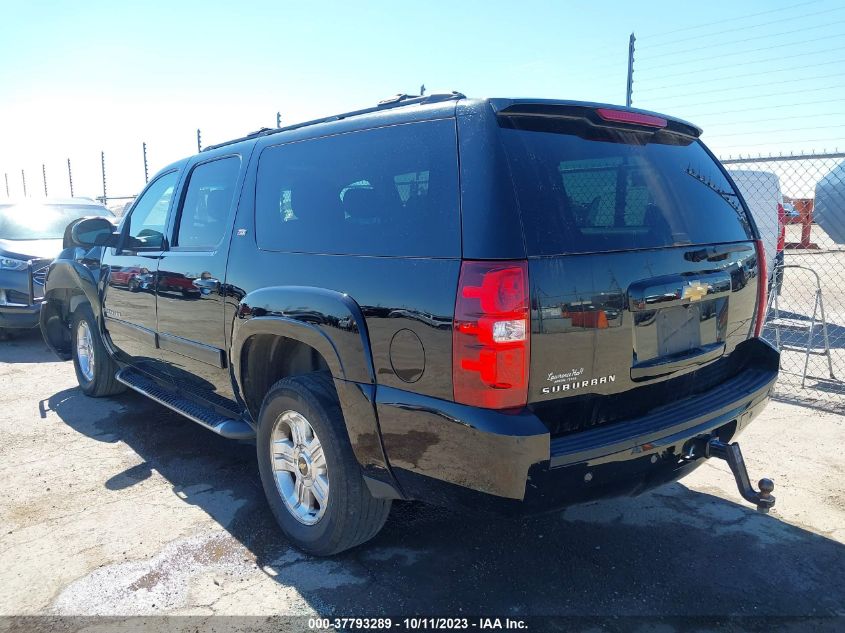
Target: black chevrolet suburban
(513, 304)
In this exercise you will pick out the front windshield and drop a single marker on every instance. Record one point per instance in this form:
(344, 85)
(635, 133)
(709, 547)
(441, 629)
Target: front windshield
(42, 221)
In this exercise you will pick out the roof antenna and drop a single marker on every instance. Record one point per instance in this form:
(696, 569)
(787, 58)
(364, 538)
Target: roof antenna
(422, 90)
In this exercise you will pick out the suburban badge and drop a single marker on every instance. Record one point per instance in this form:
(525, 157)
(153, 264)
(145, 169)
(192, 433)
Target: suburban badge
(580, 384)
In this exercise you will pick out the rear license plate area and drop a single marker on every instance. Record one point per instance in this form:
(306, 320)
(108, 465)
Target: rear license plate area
(678, 329)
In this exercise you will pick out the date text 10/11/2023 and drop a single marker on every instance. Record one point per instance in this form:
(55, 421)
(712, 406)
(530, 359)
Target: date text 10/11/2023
(413, 624)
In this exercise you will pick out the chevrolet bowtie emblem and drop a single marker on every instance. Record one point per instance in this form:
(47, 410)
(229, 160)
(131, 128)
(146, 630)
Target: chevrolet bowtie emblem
(695, 291)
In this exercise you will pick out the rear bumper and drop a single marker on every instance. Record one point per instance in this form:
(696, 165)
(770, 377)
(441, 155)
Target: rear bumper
(449, 454)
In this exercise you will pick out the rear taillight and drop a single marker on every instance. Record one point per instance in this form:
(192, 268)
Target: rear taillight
(781, 227)
(762, 287)
(491, 335)
(637, 118)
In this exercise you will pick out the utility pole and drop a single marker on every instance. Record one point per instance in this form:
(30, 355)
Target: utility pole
(103, 166)
(278, 119)
(146, 168)
(70, 177)
(44, 177)
(630, 91)
(23, 180)
(199, 141)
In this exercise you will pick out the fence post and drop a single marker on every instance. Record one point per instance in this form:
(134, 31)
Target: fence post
(70, 177)
(146, 171)
(44, 178)
(103, 166)
(630, 91)
(23, 180)
(199, 141)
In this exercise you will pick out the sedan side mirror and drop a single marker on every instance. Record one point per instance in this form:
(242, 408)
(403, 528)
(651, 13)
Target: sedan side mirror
(90, 232)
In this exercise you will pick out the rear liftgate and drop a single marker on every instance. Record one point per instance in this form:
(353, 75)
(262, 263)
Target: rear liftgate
(713, 447)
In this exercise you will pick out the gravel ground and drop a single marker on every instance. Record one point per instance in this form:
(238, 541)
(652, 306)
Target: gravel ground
(119, 507)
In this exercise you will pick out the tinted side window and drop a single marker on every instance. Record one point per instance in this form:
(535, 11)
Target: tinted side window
(388, 191)
(149, 216)
(207, 201)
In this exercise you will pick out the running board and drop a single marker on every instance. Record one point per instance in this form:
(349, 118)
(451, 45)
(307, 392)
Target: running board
(204, 416)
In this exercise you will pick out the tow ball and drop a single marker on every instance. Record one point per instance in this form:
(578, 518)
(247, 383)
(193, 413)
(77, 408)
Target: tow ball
(713, 447)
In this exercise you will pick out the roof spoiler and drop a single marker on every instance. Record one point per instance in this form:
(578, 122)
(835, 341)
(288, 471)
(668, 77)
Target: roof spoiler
(596, 114)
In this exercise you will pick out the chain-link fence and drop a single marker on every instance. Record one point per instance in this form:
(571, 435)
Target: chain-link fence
(798, 203)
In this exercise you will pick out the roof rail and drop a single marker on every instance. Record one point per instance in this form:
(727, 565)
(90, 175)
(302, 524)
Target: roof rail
(396, 101)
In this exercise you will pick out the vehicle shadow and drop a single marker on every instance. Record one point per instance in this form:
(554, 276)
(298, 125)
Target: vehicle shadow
(24, 346)
(673, 551)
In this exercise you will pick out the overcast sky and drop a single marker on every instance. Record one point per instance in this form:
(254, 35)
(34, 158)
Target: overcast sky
(80, 77)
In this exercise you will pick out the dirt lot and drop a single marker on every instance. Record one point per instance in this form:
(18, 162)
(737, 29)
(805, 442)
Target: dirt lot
(119, 507)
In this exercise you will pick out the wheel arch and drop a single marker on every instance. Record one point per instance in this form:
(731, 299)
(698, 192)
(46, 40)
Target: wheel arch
(328, 321)
(276, 349)
(69, 284)
(275, 320)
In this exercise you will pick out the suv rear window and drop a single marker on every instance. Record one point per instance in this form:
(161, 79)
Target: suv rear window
(389, 191)
(618, 191)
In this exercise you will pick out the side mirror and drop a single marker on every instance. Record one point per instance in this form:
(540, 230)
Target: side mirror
(90, 232)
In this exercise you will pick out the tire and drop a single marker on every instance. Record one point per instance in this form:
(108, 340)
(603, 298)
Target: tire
(97, 381)
(351, 515)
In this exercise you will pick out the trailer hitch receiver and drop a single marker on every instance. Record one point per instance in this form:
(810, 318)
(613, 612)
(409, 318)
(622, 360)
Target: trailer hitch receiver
(713, 447)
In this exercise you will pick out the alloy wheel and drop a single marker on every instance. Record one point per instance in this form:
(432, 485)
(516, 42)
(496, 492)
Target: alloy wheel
(299, 467)
(85, 350)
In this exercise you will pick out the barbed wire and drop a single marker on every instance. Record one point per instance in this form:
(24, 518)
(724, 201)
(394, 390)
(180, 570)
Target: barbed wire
(774, 107)
(762, 96)
(702, 82)
(795, 129)
(738, 53)
(731, 19)
(744, 28)
(747, 63)
(831, 142)
(744, 123)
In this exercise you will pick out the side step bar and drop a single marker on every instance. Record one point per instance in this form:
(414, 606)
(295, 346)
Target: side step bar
(204, 416)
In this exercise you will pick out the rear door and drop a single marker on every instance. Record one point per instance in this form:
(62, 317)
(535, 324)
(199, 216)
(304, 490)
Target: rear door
(191, 273)
(642, 266)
